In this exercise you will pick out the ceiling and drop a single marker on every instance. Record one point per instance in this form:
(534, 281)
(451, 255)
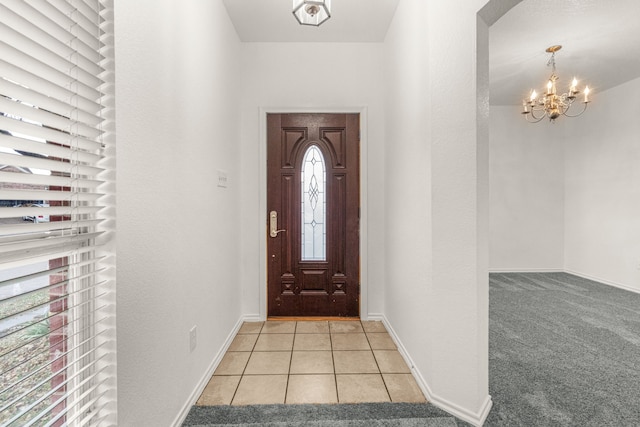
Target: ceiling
(600, 38)
(600, 46)
(273, 21)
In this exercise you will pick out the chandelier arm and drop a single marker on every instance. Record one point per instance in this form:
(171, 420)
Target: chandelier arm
(535, 119)
(576, 115)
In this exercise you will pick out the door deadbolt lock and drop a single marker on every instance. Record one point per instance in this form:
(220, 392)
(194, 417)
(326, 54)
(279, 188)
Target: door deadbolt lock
(273, 224)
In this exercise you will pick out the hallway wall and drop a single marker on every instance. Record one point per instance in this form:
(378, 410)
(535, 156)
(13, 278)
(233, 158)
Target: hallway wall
(436, 296)
(315, 77)
(408, 226)
(602, 187)
(177, 73)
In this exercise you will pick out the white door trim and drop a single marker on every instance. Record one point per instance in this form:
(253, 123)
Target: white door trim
(364, 311)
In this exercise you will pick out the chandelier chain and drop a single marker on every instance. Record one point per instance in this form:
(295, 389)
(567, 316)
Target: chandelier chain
(552, 62)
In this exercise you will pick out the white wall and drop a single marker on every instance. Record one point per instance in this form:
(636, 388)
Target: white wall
(316, 77)
(408, 203)
(177, 245)
(436, 296)
(526, 172)
(602, 172)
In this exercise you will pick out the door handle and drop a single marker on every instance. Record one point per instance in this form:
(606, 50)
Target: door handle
(273, 224)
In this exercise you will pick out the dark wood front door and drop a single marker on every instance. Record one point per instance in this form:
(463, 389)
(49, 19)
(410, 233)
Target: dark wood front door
(313, 205)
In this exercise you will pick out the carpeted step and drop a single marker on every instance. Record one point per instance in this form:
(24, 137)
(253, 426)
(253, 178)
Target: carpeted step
(396, 422)
(337, 415)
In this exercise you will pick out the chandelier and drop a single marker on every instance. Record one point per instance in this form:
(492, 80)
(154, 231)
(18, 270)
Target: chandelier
(312, 12)
(551, 104)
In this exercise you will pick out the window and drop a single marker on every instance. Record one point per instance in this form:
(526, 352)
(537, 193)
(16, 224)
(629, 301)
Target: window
(56, 316)
(313, 183)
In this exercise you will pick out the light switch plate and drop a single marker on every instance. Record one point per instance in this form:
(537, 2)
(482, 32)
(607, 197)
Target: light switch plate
(222, 179)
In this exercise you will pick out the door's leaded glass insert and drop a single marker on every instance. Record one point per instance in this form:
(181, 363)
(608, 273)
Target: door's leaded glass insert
(314, 205)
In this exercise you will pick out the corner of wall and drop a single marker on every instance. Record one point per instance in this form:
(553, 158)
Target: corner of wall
(474, 418)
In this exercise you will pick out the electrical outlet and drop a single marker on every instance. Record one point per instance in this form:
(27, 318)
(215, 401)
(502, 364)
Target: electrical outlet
(193, 339)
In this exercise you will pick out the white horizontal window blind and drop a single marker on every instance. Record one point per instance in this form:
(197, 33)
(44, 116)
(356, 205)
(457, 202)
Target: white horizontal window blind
(55, 316)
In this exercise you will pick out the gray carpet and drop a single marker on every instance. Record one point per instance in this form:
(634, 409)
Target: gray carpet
(563, 351)
(344, 415)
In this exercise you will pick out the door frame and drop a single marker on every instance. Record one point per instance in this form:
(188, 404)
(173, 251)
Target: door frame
(262, 217)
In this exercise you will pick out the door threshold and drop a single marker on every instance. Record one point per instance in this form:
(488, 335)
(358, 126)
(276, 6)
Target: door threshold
(310, 318)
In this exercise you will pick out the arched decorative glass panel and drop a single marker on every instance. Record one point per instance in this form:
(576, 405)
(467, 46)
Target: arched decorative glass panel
(314, 205)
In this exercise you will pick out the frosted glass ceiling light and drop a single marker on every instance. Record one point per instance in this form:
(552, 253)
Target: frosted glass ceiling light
(312, 12)
(550, 104)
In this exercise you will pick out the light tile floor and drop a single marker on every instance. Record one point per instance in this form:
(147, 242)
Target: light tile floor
(311, 362)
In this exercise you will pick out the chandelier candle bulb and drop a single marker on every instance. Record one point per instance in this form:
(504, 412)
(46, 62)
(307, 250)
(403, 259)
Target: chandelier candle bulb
(586, 94)
(574, 83)
(549, 85)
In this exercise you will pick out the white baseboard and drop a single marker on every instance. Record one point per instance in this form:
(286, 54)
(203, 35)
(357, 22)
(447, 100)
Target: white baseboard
(374, 317)
(526, 270)
(204, 380)
(476, 419)
(603, 281)
(252, 318)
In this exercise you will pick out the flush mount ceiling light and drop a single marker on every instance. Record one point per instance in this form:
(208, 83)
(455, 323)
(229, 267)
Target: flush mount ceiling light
(312, 12)
(551, 104)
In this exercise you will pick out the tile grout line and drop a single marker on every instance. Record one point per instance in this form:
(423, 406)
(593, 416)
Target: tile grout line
(286, 389)
(378, 365)
(247, 364)
(333, 361)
